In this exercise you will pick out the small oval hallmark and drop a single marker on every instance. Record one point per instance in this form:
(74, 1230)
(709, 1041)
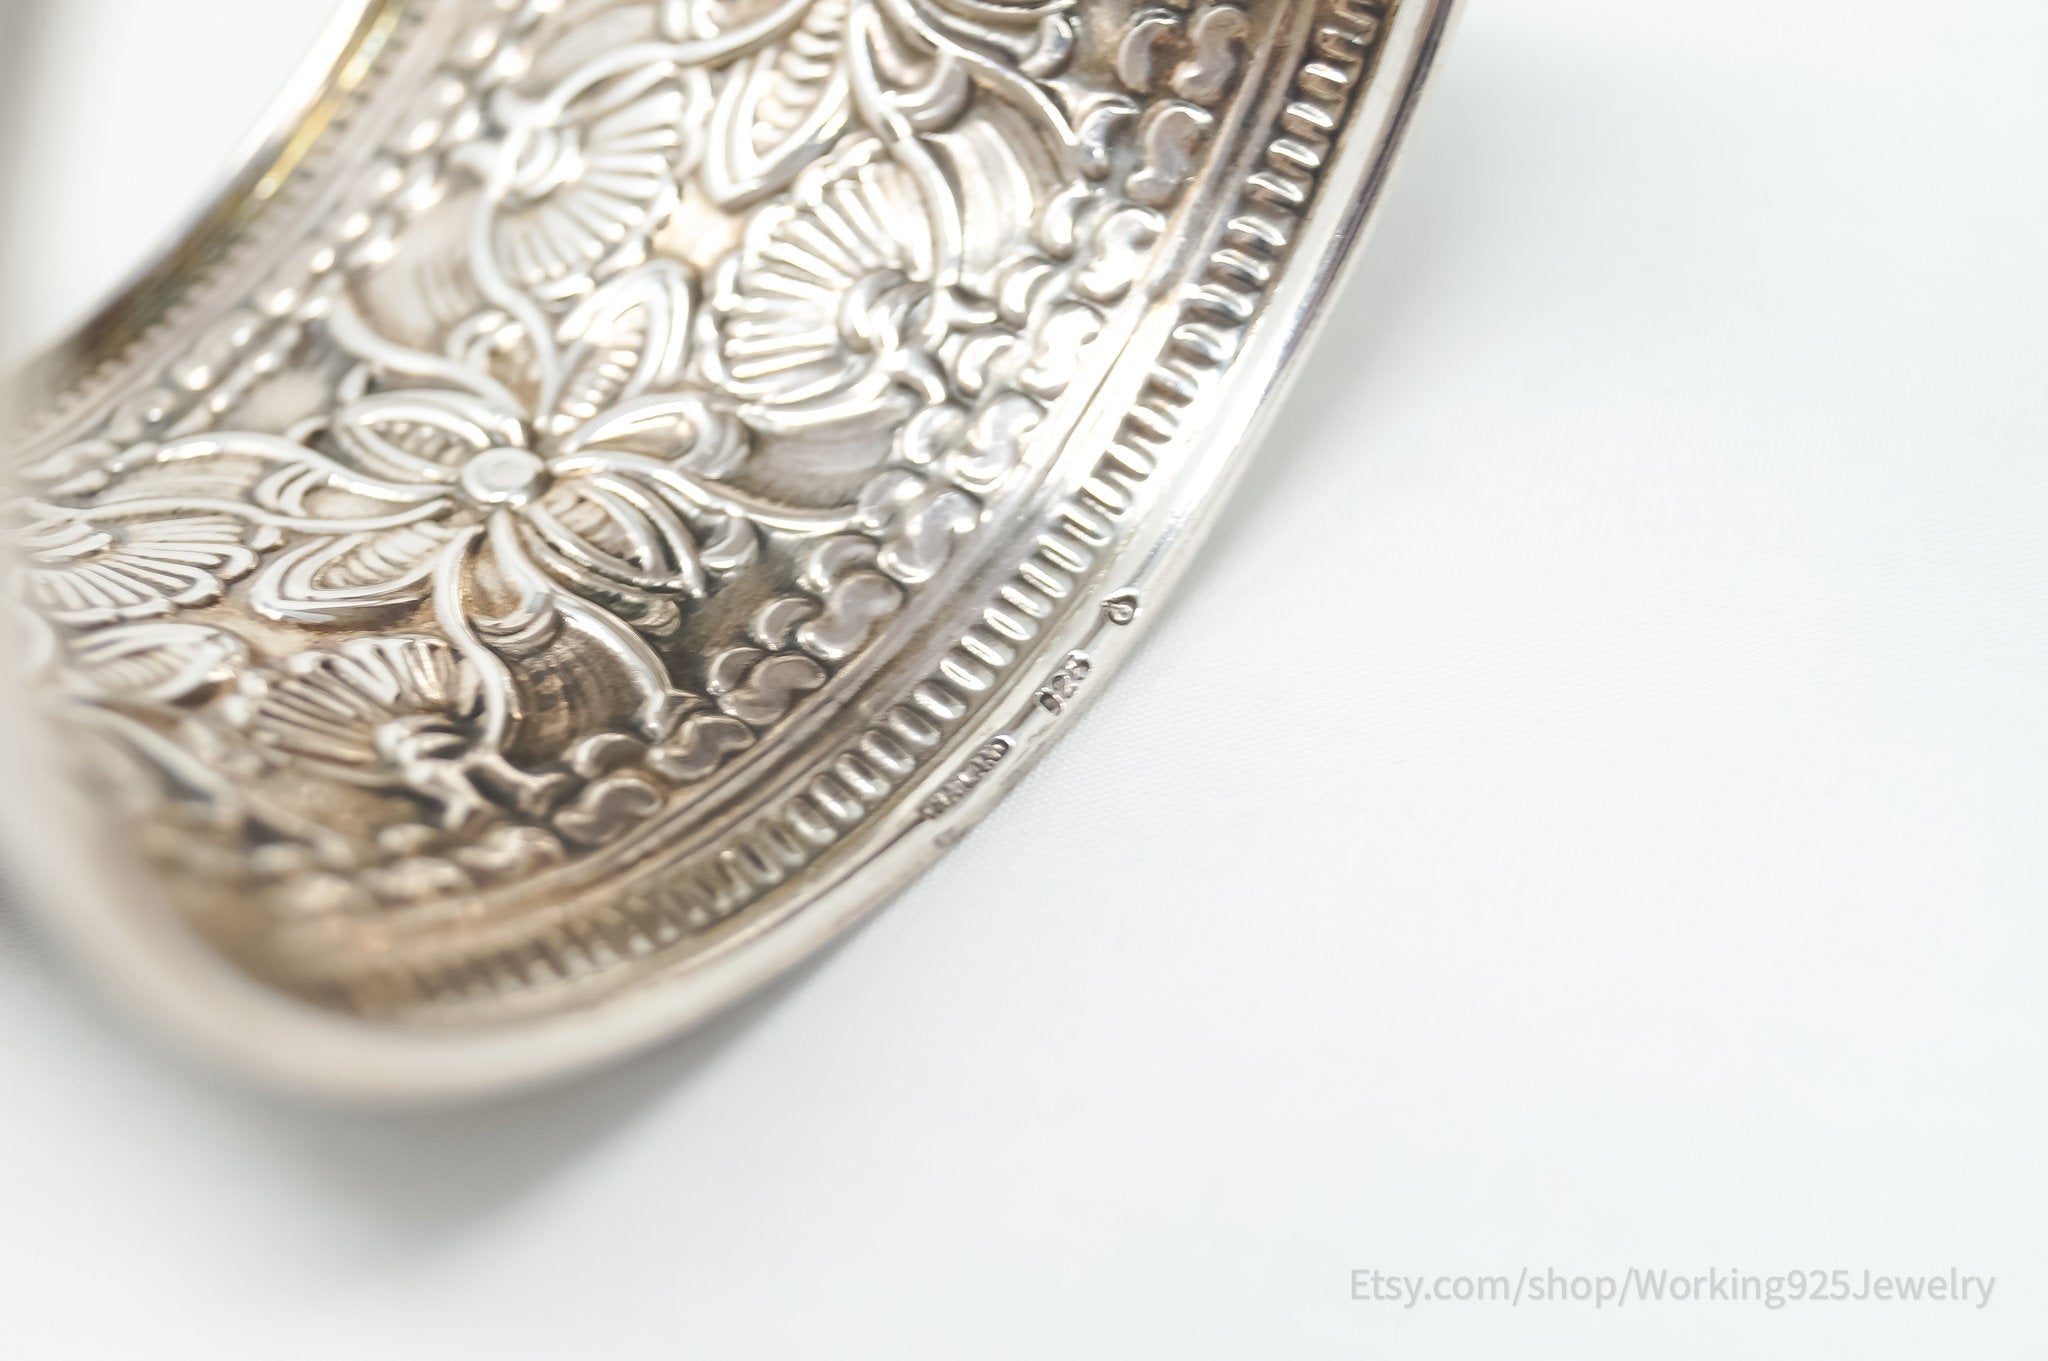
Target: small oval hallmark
(949, 795)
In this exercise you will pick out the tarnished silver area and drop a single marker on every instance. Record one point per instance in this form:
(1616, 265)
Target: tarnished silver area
(628, 482)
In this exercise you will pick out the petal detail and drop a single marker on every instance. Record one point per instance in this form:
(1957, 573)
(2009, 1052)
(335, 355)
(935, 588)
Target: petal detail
(160, 660)
(421, 438)
(625, 340)
(618, 542)
(677, 427)
(829, 296)
(82, 572)
(593, 170)
(321, 581)
(781, 108)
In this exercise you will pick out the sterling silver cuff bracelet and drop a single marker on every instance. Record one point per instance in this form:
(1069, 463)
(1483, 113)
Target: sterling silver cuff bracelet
(614, 489)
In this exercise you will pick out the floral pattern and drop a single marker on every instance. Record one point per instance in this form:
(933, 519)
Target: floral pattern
(86, 571)
(594, 507)
(680, 346)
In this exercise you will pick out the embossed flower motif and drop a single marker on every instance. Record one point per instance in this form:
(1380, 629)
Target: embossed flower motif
(377, 712)
(157, 660)
(85, 572)
(151, 661)
(587, 169)
(806, 70)
(598, 496)
(833, 307)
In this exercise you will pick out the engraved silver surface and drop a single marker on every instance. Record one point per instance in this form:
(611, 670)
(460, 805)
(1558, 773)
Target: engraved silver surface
(619, 486)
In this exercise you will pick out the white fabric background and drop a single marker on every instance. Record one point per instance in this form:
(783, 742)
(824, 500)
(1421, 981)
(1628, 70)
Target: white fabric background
(1586, 810)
